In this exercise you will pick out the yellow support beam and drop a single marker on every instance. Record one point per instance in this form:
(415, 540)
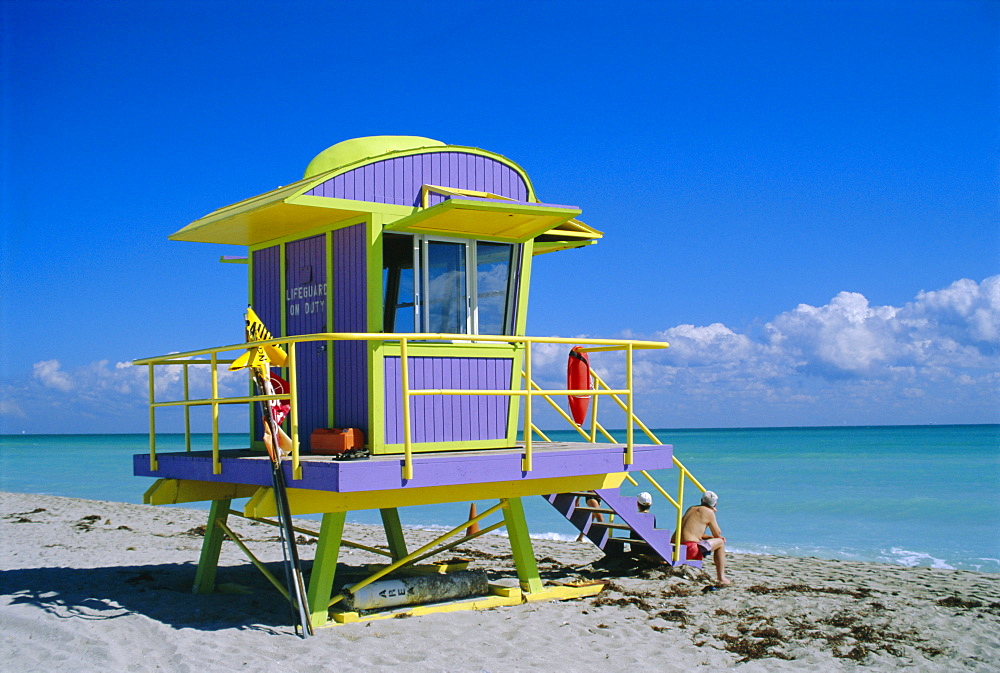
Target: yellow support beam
(306, 501)
(176, 491)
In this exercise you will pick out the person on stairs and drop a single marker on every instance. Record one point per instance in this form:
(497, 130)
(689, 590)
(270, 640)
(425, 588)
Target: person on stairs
(643, 502)
(699, 545)
(592, 501)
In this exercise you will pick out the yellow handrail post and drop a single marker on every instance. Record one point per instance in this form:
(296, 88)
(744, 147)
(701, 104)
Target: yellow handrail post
(153, 465)
(404, 377)
(216, 464)
(293, 399)
(526, 462)
(631, 405)
(680, 513)
(187, 411)
(593, 412)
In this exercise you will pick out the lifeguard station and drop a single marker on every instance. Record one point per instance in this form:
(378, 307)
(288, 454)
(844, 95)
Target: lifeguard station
(396, 275)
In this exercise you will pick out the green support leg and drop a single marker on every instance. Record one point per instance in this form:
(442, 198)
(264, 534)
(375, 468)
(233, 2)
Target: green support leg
(520, 545)
(394, 533)
(204, 578)
(324, 567)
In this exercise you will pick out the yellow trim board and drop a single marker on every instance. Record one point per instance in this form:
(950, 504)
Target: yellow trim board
(307, 501)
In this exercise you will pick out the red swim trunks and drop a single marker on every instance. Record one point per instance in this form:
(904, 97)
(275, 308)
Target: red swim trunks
(696, 550)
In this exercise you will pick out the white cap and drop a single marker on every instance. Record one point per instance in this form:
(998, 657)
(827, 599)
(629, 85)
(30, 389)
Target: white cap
(644, 499)
(709, 499)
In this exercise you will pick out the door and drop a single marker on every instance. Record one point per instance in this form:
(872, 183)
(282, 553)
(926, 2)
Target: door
(305, 313)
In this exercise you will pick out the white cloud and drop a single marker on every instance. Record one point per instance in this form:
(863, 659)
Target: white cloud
(953, 329)
(847, 336)
(847, 359)
(11, 408)
(49, 372)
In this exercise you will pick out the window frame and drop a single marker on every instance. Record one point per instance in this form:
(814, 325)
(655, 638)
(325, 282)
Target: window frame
(421, 268)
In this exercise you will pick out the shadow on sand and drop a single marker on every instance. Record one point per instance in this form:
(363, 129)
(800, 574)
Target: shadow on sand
(160, 592)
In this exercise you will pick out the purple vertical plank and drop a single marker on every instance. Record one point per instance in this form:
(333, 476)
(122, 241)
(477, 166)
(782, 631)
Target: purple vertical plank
(483, 404)
(495, 367)
(435, 176)
(397, 180)
(369, 183)
(437, 408)
(459, 420)
(419, 413)
(488, 185)
(500, 410)
(426, 415)
(453, 170)
(469, 402)
(479, 163)
(380, 182)
(426, 172)
(350, 357)
(445, 408)
(348, 181)
(389, 407)
(407, 179)
(445, 168)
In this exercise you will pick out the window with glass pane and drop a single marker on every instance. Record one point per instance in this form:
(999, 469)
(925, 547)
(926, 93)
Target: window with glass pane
(446, 296)
(397, 284)
(493, 264)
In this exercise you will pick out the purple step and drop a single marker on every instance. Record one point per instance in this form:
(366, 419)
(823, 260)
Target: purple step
(644, 535)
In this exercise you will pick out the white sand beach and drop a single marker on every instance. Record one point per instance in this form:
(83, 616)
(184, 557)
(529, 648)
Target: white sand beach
(101, 586)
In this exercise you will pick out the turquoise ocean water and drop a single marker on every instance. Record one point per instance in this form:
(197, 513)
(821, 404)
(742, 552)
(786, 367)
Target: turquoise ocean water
(909, 495)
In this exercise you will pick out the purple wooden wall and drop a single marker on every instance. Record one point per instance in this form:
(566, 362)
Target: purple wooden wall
(446, 418)
(398, 180)
(350, 359)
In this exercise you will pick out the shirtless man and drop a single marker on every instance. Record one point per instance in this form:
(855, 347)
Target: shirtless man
(693, 526)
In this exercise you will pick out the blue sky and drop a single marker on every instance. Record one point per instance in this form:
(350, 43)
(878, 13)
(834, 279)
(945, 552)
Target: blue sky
(800, 196)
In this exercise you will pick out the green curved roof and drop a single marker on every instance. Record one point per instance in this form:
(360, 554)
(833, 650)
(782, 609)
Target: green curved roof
(358, 149)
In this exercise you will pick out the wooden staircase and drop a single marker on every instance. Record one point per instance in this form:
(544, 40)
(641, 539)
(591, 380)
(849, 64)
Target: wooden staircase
(638, 532)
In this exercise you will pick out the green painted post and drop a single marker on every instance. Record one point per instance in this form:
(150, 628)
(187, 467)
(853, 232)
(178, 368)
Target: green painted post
(324, 567)
(394, 533)
(211, 546)
(520, 545)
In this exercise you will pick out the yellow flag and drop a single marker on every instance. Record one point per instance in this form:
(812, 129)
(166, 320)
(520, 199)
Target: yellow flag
(258, 357)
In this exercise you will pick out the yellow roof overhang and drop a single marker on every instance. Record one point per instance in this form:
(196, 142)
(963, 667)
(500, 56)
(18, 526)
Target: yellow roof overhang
(285, 211)
(486, 219)
(568, 235)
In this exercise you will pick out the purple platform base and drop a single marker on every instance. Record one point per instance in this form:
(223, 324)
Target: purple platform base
(321, 473)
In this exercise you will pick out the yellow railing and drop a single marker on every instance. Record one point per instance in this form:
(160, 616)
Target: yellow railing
(529, 391)
(595, 427)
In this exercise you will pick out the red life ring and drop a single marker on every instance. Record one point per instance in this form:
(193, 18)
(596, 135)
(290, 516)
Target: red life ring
(578, 378)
